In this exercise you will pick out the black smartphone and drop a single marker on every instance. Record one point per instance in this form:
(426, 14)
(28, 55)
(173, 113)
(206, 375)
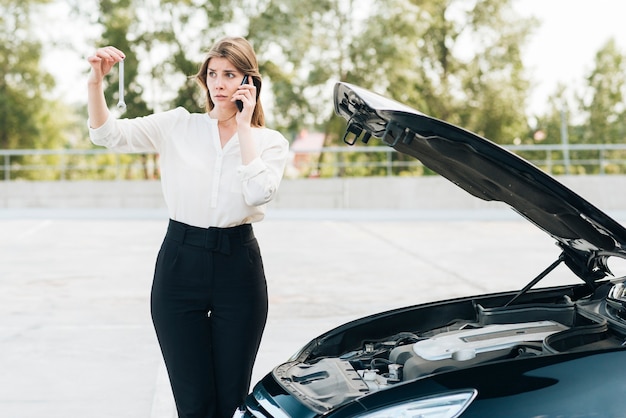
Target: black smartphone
(239, 103)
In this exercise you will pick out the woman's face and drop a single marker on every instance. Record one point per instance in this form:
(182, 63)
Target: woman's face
(222, 80)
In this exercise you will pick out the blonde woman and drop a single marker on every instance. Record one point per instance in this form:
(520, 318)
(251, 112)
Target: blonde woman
(218, 170)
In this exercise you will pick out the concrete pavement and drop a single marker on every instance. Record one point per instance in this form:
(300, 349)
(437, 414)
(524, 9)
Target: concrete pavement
(76, 338)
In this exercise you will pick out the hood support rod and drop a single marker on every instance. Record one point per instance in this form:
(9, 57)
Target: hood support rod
(537, 279)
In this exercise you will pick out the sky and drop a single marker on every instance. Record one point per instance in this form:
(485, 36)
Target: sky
(562, 48)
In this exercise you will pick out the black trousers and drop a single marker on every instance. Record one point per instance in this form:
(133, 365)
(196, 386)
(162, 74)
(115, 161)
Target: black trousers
(209, 308)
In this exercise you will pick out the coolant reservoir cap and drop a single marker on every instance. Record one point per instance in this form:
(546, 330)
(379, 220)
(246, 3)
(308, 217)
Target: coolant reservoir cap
(464, 354)
(370, 375)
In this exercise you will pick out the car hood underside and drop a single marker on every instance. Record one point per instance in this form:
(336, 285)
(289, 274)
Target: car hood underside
(489, 172)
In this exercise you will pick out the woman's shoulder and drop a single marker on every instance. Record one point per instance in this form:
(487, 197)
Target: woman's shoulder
(179, 116)
(170, 115)
(181, 113)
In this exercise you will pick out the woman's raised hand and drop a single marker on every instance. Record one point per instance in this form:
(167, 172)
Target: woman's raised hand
(102, 61)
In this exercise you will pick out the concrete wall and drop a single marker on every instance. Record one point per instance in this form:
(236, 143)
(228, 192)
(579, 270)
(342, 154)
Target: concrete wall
(430, 193)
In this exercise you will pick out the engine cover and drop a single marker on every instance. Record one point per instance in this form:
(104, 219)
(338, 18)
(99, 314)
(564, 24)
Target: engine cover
(464, 347)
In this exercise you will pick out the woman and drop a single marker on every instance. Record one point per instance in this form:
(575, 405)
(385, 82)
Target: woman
(218, 170)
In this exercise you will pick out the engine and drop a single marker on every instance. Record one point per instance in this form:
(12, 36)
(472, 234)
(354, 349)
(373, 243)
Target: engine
(412, 356)
(493, 334)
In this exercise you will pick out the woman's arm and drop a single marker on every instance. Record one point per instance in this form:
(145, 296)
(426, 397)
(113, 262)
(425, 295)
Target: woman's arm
(262, 176)
(101, 63)
(124, 135)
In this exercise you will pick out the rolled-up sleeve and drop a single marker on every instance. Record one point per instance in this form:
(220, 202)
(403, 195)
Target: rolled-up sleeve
(261, 177)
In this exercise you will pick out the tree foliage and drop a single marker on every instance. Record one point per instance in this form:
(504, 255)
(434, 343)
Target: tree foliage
(603, 101)
(23, 83)
(457, 60)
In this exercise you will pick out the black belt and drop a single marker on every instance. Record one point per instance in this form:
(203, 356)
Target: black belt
(212, 238)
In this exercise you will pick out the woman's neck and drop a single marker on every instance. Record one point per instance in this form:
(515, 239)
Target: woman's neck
(223, 119)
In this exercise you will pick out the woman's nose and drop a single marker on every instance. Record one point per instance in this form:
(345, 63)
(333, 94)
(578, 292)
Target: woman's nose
(219, 82)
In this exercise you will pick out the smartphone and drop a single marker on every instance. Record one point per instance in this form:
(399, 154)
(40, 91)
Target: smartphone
(239, 103)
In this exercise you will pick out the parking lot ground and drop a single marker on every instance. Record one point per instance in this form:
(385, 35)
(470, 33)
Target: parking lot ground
(76, 338)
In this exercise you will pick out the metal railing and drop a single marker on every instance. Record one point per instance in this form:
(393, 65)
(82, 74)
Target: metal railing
(336, 161)
(73, 164)
(575, 158)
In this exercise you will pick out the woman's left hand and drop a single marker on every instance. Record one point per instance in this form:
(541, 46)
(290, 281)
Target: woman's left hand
(247, 94)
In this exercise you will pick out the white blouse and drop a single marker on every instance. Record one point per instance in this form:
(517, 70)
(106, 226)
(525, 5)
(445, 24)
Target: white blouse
(203, 184)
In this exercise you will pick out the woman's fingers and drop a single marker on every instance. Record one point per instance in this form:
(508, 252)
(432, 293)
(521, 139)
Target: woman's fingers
(110, 53)
(245, 96)
(247, 92)
(104, 59)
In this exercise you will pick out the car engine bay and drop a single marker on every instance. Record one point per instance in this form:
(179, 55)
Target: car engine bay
(498, 333)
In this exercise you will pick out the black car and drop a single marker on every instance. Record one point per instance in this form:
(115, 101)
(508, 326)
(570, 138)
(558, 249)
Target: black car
(535, 352)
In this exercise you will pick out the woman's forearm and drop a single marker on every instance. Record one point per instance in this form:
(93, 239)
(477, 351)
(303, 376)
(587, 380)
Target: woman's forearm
(96, 105)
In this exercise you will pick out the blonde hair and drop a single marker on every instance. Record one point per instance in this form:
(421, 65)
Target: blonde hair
(240, 53)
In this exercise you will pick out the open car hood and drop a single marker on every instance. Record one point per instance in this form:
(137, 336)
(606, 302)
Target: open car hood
(587, 236)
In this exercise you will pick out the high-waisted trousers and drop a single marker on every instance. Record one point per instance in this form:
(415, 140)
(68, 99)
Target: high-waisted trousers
(209, 308)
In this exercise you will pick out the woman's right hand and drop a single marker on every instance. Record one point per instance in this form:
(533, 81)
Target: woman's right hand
(102, 61)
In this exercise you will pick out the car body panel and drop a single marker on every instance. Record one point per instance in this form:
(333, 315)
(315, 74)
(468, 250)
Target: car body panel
(531, 387)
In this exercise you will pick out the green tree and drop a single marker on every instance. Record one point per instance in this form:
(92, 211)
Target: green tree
(23, 82)
(547, 130)
(603, 104)
(164, 41)
(304, 48)
(119, 21)
(595, 116)
(301, 48)
(456, 60)
(603, 101)
(188, 32)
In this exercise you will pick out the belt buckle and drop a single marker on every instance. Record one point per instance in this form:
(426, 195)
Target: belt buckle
(217, 240)
(212, 239)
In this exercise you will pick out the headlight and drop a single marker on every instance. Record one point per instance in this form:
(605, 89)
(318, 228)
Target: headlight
(448, 405)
